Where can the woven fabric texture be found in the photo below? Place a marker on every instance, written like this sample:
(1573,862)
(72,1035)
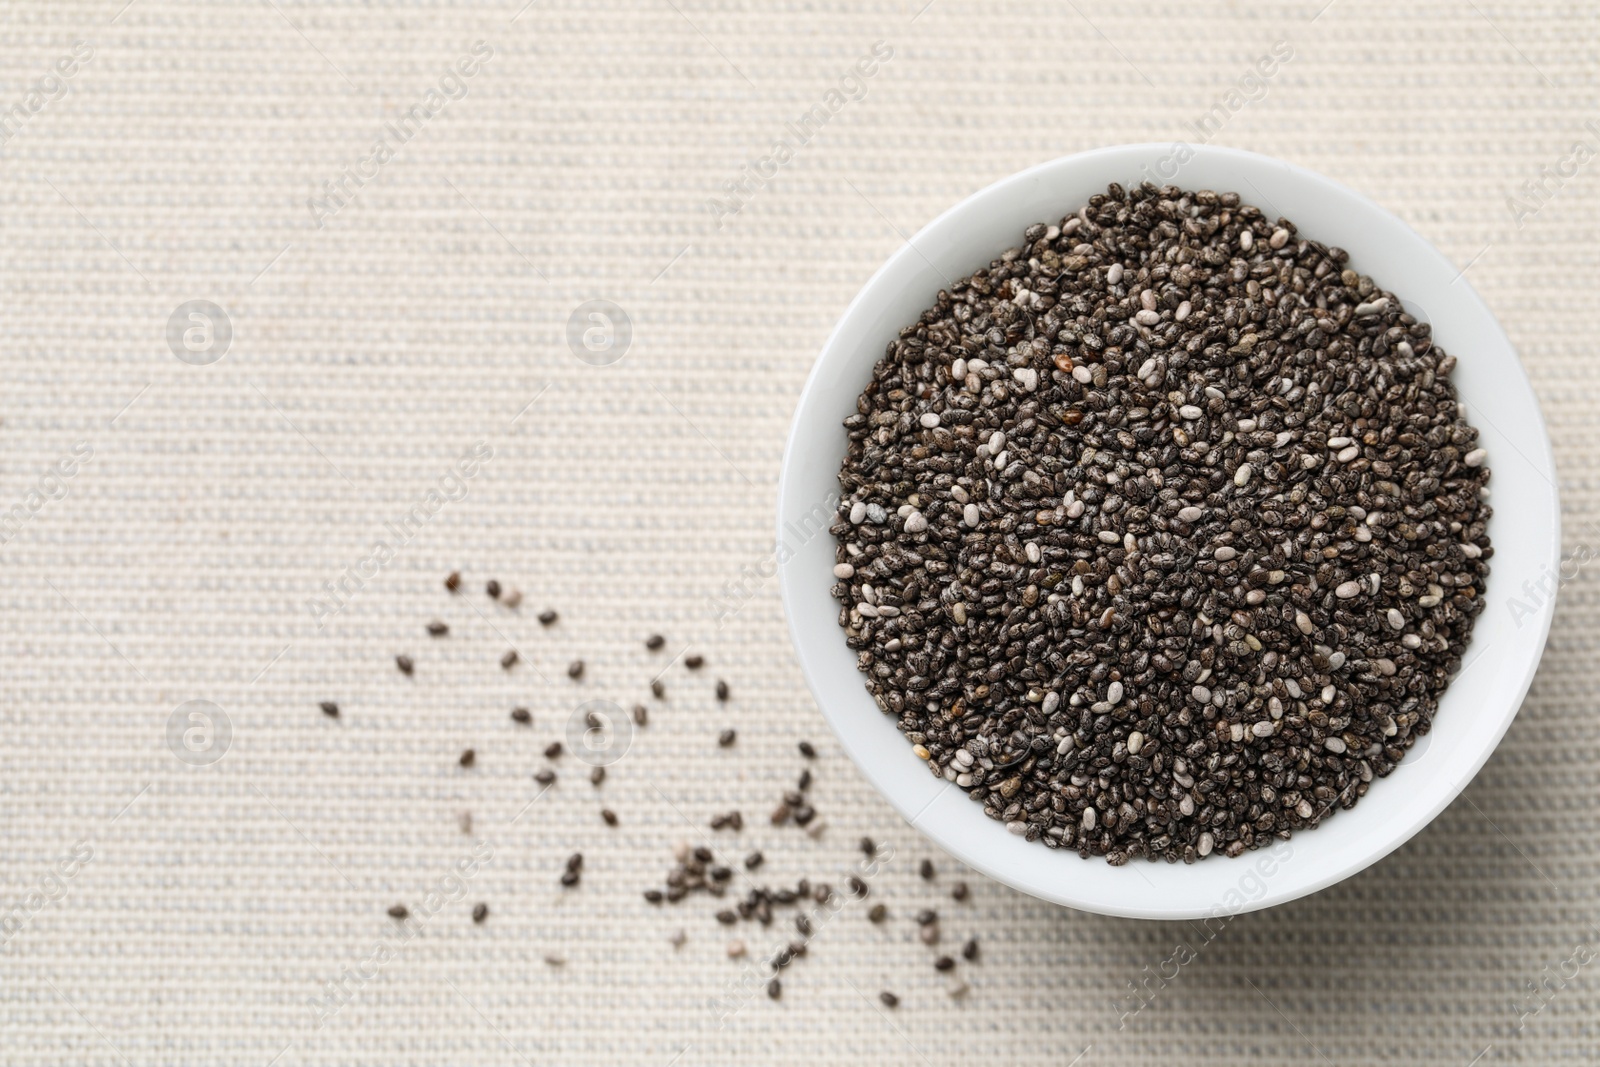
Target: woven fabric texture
(217,515)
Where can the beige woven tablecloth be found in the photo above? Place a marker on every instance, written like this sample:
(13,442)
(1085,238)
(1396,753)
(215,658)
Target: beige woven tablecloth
(389,212)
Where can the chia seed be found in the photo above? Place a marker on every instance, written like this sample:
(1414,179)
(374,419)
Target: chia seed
(1195,543)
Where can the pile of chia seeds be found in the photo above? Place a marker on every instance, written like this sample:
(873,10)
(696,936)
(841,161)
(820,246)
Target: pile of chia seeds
(1162,535)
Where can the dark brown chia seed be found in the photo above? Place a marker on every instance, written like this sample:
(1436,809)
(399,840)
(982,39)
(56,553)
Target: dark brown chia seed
(774,989)
(925,868)
(654,642)
(1162,534)
(548,617)
(754,860)
(399,911)
(405,665)
(480,912)
(694,661)
(552,750)
(878,913)
(575,669)
(468,758)
(722,689)
(868,846)
(889,999)
(959,892)
(609,816)
(330,709)
(641,715)
(521,716)
(943,963)
(437,629)
(727,737)
(453,582)
(804,781)
(509,660)
(492,587)
(969,951)
(545,777)
(808,750)
(597,776)
(658,689)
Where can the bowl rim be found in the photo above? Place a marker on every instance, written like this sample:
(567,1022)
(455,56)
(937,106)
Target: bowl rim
(1117,163)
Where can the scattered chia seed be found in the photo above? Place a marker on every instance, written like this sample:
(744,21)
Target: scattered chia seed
(722,689)
(808,750)
(548,617)
(654,642)
(509,660)
(468,758)
(774,989)
(658,689)
(889,999)
(868,846)
(453,582)
(574,871)
(959,892)
(437,629)
(552,750)
(925,868)
(878,913)
(545,777)
(609,816)
(969,951)
(597,776)
(754,860)
(399,912)
(731,820)
(641,715)
(1162,534)
(943,963)
(857,886)
(330,709)
(727,737)
(492,587)
(480,912)
(694,661)
(405,665)
(575,669)
(522,716)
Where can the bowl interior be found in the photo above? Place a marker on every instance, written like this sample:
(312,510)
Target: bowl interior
(1507,640)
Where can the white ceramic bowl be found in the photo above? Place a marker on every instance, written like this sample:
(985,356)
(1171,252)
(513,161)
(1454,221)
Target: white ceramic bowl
(1506,643)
